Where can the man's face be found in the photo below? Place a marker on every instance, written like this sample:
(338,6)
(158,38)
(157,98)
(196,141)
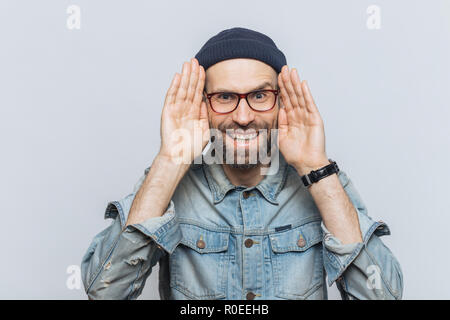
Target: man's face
(243,124)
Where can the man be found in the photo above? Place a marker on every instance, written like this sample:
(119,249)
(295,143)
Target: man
(229,229)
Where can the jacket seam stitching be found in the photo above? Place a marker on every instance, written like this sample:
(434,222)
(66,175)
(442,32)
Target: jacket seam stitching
(393,292)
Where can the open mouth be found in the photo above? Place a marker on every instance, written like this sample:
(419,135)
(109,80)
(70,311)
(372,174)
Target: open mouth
(242,138)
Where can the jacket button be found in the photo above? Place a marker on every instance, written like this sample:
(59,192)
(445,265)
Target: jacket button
(248,243)
(201,244)
(301,242)
(246,194)
(250,296)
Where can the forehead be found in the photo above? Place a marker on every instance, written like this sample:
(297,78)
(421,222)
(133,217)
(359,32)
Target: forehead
(239,75)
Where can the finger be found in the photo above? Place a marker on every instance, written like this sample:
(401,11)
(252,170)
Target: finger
(297,84)
(193,80)
(182,90)
(310,104)
(289,87)
(203,111)
(198,97)
(170,96)
(282,119)
(284,95)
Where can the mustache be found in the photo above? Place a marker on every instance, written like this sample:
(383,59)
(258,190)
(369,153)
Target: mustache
(238,128)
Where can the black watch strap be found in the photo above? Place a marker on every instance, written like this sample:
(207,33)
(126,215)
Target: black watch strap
(321,173)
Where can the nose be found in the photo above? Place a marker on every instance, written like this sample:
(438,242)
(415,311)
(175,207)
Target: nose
(243,115)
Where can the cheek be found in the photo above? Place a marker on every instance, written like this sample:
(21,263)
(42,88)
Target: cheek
(216,120)
(270,119)
(213,121)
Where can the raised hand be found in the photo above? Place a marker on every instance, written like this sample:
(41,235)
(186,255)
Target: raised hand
(184,119)
(301,130)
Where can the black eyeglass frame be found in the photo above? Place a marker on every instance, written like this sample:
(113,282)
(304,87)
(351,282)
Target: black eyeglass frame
(242,96)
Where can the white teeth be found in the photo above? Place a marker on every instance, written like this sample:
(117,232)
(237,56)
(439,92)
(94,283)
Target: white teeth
(242,136)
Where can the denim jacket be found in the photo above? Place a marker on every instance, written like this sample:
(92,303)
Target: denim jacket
(219,241)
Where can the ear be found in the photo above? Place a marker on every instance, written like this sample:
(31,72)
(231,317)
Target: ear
(206,81)
(279,102)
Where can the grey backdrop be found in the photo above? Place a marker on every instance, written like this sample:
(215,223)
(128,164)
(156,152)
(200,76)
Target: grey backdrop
(80,110)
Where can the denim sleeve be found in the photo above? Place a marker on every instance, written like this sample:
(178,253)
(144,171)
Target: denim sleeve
(120,259)
(366,270)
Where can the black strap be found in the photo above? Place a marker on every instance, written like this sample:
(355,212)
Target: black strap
(321,173)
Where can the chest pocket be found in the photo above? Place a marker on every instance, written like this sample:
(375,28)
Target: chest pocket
(199,264)
(297,261)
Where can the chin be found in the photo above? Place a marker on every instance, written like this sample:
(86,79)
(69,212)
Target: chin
(244,166)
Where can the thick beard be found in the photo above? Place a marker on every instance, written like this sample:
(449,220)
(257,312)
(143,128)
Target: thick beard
(247,156)
(244,166)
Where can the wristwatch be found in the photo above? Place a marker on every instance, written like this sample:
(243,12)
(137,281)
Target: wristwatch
(316,175)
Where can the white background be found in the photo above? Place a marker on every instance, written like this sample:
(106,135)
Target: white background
(80,111)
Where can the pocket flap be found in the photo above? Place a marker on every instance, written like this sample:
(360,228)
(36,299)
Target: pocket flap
(203,240)
(297,239)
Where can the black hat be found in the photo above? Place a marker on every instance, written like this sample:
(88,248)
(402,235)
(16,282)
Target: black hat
(240,43)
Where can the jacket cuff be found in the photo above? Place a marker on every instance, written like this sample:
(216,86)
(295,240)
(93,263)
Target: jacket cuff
(338,256)
(163,230)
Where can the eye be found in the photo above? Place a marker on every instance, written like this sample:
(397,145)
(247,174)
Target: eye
(258,95)
(224,96)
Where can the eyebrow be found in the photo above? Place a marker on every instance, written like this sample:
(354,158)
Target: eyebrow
(262,86)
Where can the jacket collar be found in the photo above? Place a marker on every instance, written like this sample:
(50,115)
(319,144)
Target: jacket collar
(269,187)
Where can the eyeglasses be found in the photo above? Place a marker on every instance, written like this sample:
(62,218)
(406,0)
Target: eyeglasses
(227,102)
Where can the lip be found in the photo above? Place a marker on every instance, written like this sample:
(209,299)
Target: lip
(242,135)
(241,138)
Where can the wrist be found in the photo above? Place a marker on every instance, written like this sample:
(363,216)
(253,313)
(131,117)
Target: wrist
(167,162)
(303,169)
(155,193)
